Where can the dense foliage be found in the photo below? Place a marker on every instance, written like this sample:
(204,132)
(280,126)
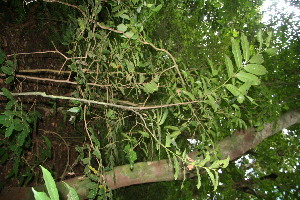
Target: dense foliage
(154,75)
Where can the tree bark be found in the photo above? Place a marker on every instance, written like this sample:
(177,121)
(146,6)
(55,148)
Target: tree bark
(145,172)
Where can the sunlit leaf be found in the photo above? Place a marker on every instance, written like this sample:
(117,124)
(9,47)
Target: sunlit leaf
(233,89)
(256,69)
(236,52)
(40,195)
(229,66)
(72,195)
(245,47)
(122,27)
(50,184)
(247,77)
(257,59)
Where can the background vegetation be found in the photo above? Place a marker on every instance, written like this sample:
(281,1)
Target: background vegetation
(137,81)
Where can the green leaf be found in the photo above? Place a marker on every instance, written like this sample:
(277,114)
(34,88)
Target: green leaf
(173,128)
(130,66)
(247,77)
(212,67)
(7,70)
(241,98)
(50,184)
(229,66)
(129,34)
(150,87)
(272,51)
(21,137)
(40,195)
(245,47)
(7,93)
(9,130)
(199,178)
(72,195)
(168,140)
(211,176)
(260,39)
(234,90)
(144,134)
(244,88)
(157,8)
(74,109)
(268,40)
(164,117)
(176,167)
(256,69)
(122,27)
(257,59)
(236,52)
(9,79)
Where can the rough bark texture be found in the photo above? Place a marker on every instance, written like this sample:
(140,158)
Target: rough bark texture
(144,172)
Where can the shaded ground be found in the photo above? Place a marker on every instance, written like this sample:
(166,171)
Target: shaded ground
(23,34)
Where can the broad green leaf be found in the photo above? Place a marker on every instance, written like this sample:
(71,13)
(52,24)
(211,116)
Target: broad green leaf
(21,137)
(9,79)
(50,184)
(244,88)
(272,51)
(144,134)
(9,130)
(247,77)
(72,195)
(122,27)
(74,109)
(256,69)
(40,195)
(229,66)
(176,167)
(157,8)
(236,52)
(150,87)
(7,70)
(233,89)
(205,160)
(175,134)
(245,47)
(129,34)
(190,95)
(241,98)
(212,102)
(130,66)
(7,93)
(257,59)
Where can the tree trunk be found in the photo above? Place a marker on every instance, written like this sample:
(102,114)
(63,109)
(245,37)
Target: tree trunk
(145,172)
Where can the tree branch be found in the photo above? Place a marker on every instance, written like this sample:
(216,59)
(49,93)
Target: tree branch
(156,171)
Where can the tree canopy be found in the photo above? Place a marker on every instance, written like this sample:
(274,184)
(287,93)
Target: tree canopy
(195,93)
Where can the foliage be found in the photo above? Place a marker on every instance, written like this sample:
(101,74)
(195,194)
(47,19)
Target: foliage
(52,190)
(167,71)
(18,122)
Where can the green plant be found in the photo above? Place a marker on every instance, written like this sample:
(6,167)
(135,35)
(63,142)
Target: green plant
(52,189)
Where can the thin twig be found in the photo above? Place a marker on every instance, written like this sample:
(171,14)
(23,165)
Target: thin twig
(43,94)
